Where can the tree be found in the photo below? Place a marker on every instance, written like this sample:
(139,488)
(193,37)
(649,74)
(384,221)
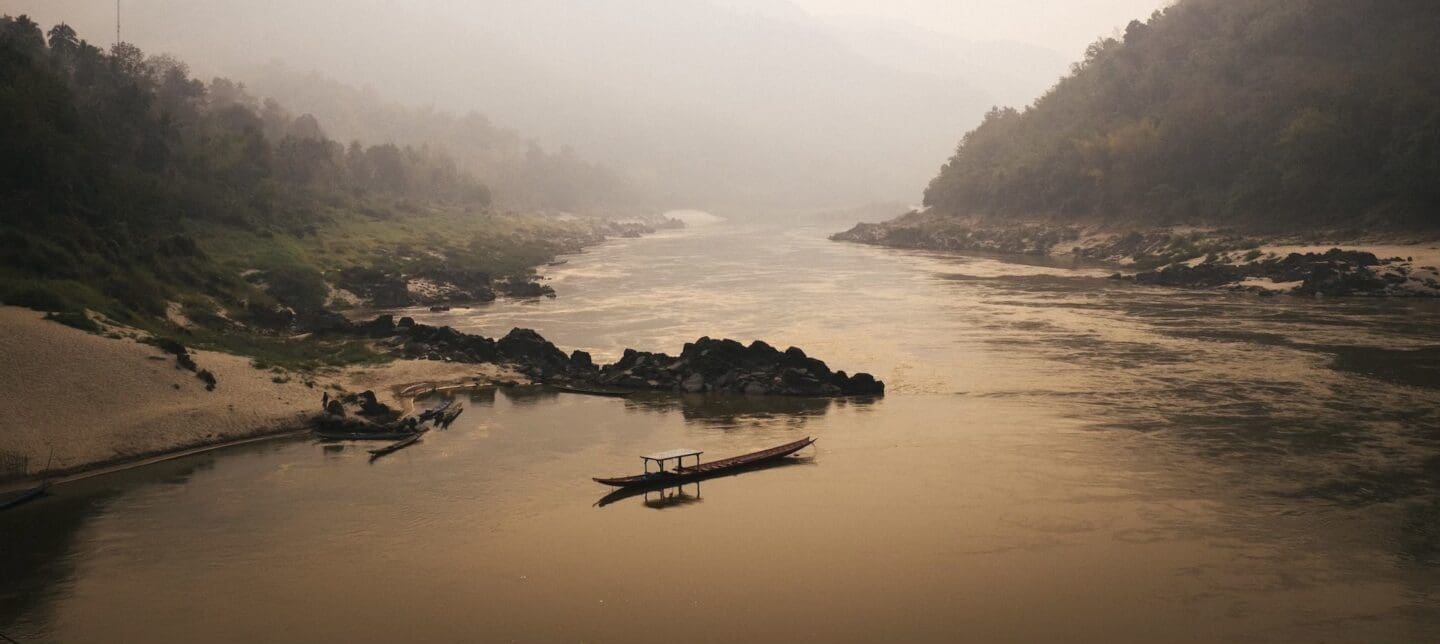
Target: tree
(22,35)
(64,43)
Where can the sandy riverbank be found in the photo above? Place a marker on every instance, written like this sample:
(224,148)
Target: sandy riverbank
(76,400)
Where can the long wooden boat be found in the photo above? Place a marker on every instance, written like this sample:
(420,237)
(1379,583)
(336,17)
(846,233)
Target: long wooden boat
(707,470)
(396,446)
(609,393)
(26,496)
(622,493)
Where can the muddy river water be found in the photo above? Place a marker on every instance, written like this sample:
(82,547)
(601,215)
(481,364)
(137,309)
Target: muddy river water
(1059,458)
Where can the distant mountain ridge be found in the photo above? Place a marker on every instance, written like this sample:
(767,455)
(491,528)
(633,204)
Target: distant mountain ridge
(521,173)
(1262,113)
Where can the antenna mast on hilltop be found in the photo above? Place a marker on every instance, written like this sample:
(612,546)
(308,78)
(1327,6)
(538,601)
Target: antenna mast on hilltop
(117,21)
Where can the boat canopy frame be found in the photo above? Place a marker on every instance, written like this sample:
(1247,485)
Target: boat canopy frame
(677,455)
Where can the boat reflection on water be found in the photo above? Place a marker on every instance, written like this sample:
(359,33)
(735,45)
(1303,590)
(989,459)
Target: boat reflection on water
(671,497)
(665,494)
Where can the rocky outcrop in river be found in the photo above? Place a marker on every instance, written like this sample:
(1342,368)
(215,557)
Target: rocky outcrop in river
(704,366)
(1335,272)
(1181,257)
(729,367)
(923,231)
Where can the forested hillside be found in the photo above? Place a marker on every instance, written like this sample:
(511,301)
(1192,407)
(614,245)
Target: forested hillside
(1267,113)
(129,188)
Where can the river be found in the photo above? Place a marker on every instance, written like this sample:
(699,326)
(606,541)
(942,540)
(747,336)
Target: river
(1059,457)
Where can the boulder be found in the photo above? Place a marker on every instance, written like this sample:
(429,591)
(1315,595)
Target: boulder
(581,360)
(864,384)
(525,346)
(370,405)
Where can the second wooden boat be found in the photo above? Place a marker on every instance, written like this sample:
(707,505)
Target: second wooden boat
(396,446)
(701,470)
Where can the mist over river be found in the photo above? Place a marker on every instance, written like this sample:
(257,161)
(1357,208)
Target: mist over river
(1059,457)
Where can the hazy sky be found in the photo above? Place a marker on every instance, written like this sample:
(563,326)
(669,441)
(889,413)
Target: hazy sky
(707,102)
(1064,25)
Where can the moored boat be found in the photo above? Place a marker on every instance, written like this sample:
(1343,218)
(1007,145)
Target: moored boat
(698,471)
(396,446)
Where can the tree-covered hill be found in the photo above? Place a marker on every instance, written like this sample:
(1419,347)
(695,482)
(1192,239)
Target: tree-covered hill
(128,188)
(1279,114)
(114,168)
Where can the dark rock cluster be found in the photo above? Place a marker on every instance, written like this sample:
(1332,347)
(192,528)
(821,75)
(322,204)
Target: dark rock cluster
(460,286)
(729,367)
(362,413)
(704,366)
(515,287)
(1335,272)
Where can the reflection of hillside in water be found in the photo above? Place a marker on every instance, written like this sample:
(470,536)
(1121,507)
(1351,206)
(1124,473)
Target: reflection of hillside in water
(33,549)
(37,539)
